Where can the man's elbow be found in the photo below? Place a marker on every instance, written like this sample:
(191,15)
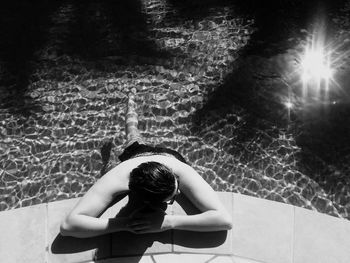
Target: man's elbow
(228,224)
(67,227)
(226,221)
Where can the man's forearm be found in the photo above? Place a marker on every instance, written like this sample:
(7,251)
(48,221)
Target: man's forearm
(204,222)
(83,226)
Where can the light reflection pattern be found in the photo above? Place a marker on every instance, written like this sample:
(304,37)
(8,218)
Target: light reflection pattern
(55,153)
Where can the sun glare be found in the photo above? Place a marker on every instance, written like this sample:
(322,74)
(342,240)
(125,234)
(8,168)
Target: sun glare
(288,105)
(316,65)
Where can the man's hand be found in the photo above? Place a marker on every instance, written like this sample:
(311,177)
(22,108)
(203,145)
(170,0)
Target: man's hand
(148,220)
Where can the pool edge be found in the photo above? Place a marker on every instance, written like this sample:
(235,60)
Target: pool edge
(263,231)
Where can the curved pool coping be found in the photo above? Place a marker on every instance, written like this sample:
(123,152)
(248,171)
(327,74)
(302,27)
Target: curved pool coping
(263,231)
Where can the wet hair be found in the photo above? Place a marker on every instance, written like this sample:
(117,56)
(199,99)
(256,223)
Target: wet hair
(152,181)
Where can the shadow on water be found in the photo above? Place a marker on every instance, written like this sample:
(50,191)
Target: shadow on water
(110,28)
(23,30)
(98,29)
(325,144)
(241,91)
(130,25)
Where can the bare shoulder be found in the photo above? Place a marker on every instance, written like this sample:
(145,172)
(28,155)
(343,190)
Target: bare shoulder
(192,185)
(103,192)
(117,179)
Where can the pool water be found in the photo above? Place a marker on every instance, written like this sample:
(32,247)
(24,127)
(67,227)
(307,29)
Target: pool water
(207,86)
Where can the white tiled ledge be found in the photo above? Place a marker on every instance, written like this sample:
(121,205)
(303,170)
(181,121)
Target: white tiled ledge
(263,231)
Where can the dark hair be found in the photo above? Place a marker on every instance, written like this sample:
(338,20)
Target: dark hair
(152,181)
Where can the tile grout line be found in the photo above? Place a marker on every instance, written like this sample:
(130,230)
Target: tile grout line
(110,215)
(250,259)
(172,233)
(233,227)
(152,258)
(293,236)
(210,259)
(46,232)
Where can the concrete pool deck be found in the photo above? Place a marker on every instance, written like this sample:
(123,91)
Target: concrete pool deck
(263,231)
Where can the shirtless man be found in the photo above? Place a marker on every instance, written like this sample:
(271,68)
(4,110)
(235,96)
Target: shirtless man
(155,175)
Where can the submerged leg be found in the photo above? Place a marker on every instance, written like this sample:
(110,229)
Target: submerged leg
(131,121)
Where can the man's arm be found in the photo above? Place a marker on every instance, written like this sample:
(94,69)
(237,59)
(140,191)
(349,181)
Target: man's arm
(205,222)
(213,216)
(83,220)
(84,226)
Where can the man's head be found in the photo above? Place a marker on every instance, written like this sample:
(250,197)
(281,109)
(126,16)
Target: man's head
(153,182)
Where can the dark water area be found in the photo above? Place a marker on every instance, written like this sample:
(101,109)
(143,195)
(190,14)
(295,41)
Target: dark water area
(212,81)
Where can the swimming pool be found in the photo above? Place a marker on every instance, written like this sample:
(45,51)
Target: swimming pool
(200,90)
